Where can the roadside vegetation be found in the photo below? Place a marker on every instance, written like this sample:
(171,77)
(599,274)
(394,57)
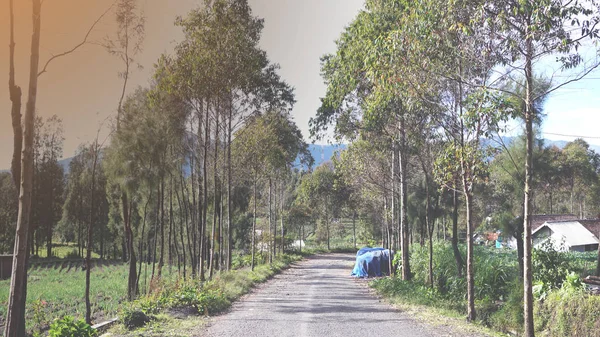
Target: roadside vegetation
(562,305)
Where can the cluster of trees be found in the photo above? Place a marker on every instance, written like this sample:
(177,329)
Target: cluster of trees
(195,164)
(421,89)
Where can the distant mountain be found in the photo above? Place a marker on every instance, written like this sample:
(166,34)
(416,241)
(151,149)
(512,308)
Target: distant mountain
(324,153)
(63,162)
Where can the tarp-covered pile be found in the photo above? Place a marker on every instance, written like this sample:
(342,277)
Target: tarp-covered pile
(371,262)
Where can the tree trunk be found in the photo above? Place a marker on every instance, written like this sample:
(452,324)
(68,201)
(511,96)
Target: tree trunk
(327,221)
(354,228)
(457,255)
(15,319)
(281,218)
(161,196)
(229,236)
(529,328)
(132,290)
(205,189)
(88,257)
(470,271)
(402,157)
(269,222)
(253,226)
(15,113)
(215,198)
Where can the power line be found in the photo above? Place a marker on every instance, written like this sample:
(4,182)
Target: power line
(574,136)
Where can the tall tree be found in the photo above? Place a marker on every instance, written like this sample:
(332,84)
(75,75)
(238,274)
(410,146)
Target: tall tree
(15,321)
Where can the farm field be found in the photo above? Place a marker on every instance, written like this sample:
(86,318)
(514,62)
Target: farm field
(56,289)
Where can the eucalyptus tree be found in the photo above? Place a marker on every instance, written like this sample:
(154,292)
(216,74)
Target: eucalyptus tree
(220,72)
(317,192)
(22,162)
(48,183)
(358,99)
(526,32)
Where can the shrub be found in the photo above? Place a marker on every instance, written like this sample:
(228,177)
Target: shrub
(568,313)
(69,327)
(133,318)
(549,266)
(73,254)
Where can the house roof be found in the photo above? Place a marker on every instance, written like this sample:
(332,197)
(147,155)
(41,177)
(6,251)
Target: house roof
(592,226)
(537,220)
(573,232)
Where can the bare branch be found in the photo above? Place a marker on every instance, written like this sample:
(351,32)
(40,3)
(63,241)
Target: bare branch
(85,40)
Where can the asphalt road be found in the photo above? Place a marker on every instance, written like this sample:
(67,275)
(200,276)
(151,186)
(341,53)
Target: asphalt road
(317,297)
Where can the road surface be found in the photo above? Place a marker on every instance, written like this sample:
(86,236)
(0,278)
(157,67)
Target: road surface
(317,297)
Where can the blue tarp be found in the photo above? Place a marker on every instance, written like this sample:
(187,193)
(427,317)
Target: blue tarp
(371,262)
(368,249)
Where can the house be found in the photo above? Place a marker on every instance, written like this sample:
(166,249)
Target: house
(568,235)
(537,220)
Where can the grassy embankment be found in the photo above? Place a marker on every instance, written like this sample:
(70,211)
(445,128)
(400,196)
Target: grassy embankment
(562,306)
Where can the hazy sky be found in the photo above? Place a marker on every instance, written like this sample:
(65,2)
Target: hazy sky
(83,88)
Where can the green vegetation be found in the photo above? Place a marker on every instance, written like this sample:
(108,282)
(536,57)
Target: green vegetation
(55,290)
(499,293)
(69,327)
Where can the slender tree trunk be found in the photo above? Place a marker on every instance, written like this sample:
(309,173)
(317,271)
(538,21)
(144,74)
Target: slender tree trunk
(161,260)
(15,319)
(140,246)
(327,221)
(183,206)
(194,211)
(205,189)
(229,177)
(281,219)
(15,98)
(181,225)
(388,231)
(253,226)
(171,227)
(88,258)
(215,198)
(354,228)
(529,117)
(470,270)
(457,255)
(393,208)
(132,290)
(428,222)
(270,215)
(406,275)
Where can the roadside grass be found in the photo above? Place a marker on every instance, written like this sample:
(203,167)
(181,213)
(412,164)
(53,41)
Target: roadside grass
(174,306)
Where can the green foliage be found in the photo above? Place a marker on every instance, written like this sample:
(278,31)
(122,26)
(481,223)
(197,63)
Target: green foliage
(69,327)
(8,212)
(568,313)
(133,318)
(550,267)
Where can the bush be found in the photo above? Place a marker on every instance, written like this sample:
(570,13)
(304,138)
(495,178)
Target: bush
(73,254)
(565,312)
(69,327)
(551,267)
(134,318)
